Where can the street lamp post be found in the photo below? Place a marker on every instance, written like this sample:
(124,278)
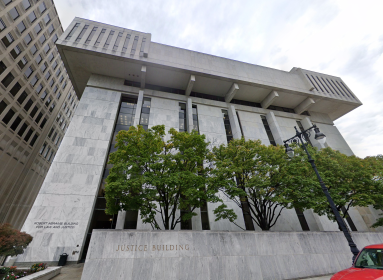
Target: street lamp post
(322,139)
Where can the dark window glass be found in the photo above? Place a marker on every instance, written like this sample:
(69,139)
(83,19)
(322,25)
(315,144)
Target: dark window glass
(34,111)
(28,105)
(37,28)
(47,48)
(32,17)
(38,118)
(15,89)
(42,39)
(135,42)
(43,123)
(3,106)
(49,100)
(33,141)
(110,36)
(2,67)
(2,25)
(51,29)
(42,7)
(28,72)
(302,220)
(6,2)
(7,39)
(268,130)
(38,59)
(16,123)
(22,97)
(14,13)
(54,38)
(51,82)
(34,80)
(48,75)
(39,88)
(47,19)
(26,4)
(15,51)
(91,35)
(58,95)
(64,85)
(28,135)
(195,118)
(21,27)
(100,37)
(8,116)
(27,39)
(8,79)
(54,65)
(58,73)
(44,67)
(51,132)
(52,107)
(33,49)
(226,121)
(55,89)
(182,117)
(44,95)
(23,61)
(82,33)
(51,57)
(22,129)
(72,31)
(61,78)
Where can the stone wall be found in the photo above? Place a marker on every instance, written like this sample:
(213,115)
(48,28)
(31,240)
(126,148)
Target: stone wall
(128,254)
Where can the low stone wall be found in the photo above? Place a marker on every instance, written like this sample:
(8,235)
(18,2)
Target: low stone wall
(131,254)
(45,274)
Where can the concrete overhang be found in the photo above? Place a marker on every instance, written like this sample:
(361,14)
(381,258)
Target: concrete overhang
(249,82)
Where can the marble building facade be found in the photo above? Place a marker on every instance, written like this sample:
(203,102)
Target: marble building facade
(109,65)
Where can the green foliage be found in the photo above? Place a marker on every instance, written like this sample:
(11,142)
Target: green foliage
(158,177)
(36,267)
(12,241)
(261,179)
(351,182)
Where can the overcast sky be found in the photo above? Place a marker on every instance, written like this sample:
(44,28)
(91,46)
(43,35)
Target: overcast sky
(339,37)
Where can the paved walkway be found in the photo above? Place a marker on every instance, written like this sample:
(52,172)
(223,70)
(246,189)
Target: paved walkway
(70,272)
(74,271)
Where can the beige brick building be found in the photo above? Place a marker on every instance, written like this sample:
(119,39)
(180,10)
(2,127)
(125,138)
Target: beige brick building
(37,101)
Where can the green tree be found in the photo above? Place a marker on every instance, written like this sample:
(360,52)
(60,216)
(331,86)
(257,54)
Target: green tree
(351,182)
(261,180)
(12,241)
(158,177)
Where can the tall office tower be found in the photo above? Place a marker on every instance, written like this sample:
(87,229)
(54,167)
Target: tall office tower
(37,102)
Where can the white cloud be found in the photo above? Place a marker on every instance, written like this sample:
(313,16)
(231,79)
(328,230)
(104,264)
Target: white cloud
(342,38)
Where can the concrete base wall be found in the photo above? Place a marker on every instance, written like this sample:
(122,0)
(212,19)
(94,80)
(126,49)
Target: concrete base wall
(128,254)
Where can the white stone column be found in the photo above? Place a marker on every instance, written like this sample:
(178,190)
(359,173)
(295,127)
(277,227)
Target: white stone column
(274,127)
(234,123)
(61,214)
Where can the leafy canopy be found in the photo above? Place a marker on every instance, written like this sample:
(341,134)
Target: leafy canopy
(12,241)
(159,177)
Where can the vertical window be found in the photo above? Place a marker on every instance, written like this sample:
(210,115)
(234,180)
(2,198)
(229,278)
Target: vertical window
(2,25)
(145,113)
(22,97)
(52,107)
(37,28)
(26,4)
(47,48)
(23,61)
(8,39)
(39,88)
(28,135)
(100,37)
(8,116)
(349,220)
(195,118)
(15,51)
(6,2)
(39,117)
(8,79)
(3,106)
(34,80)
(226,121)
(57,140)
(2,67)
(22,129)
(43,148)
(126,43)
(33,141)
(32,17)
(28,105)
(188,223)
(49,100)
(54,38)
(302,220)
(15,89)
(240,125)
(16,123)
(34,111)
(51,57)
(268,130)
(44,67)
(48,75)
(21,27)
(82,33)
(28,72)
(182,117)
(50,156)
(43,123)
(117,41)
(205,217)
(72,31)
(27,39)
(33,49)
(14,13)
(47,19)
(94,29)
(142,46)
(42,7)
(107,42)
(135,42)
(305,136)
(42,39)
(44,95)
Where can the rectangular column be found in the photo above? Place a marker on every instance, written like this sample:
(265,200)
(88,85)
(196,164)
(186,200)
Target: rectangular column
(60,216)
